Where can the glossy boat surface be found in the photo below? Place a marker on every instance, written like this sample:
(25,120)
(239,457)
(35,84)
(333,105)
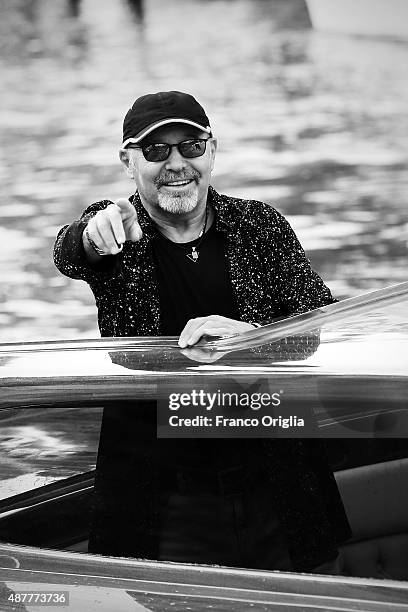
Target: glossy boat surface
(128,584)
(347,360)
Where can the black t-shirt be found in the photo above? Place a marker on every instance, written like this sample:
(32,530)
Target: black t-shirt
(189,289)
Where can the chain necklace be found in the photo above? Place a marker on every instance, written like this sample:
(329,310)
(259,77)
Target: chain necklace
(194,254)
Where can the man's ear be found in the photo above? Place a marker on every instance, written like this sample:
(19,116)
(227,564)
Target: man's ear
(213,149)
(124,157)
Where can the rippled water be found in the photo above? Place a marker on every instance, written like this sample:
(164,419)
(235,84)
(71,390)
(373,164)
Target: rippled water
(315,124)
(39,446)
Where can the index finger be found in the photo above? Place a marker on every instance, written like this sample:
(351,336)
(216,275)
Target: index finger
(126,208)
(115,219)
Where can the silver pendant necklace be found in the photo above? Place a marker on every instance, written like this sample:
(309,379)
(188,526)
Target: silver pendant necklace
(193,256)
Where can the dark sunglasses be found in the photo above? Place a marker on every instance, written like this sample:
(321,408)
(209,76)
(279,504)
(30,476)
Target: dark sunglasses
(159,151)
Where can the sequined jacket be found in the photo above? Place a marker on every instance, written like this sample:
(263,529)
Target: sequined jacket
(271,277)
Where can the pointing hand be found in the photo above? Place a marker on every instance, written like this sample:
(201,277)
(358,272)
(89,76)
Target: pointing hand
(109,228)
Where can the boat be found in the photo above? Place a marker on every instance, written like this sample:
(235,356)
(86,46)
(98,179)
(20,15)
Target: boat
(345,360)
(383,18)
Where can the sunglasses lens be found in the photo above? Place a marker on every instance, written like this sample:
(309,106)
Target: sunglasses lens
(192,148)
(156,152)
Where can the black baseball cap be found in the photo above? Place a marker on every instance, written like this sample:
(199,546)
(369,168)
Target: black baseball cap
(151,111)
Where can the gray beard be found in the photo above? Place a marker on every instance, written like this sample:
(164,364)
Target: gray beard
(178,204)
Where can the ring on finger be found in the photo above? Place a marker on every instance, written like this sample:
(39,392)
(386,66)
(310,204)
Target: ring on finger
(93,244)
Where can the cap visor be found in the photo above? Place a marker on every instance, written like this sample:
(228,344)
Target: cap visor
(154,126)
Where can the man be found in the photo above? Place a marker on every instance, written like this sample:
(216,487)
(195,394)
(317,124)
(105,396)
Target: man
(180,259)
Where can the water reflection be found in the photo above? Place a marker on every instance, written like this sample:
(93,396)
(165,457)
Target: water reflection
(74,7)
(137,8)
(315,124)
(39,446)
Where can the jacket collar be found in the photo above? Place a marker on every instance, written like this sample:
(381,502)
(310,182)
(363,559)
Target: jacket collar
(222,208)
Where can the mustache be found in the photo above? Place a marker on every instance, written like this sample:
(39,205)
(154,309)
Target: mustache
(167,177)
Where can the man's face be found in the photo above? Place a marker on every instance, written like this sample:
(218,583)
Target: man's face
(178,184)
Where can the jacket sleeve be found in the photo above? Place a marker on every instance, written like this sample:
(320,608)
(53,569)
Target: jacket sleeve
(299,288)
(69,253)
